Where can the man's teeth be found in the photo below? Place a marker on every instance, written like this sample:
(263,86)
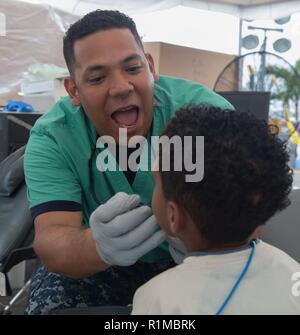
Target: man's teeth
(126,109)
(126,117)
(126,126)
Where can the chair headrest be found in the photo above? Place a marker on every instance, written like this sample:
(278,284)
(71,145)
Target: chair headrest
(11,172)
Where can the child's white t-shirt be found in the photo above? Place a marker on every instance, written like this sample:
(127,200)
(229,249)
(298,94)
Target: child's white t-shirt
(201,284)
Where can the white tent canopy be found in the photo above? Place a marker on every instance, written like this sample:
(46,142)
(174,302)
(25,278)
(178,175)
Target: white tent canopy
(34,28)
(245,9)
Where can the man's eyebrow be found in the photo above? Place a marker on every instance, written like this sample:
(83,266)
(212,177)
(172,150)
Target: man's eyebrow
(131,58)
(96,67)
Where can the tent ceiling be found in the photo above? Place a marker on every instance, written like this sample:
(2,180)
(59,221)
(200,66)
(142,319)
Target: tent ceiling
(248,2)
(247,9)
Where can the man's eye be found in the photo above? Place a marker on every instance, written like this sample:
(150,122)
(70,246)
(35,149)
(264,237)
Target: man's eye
(135,69)
(96,80)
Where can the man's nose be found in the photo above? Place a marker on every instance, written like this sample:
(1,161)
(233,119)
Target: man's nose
(120,86)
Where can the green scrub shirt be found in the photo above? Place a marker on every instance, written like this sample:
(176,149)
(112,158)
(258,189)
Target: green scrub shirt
(62,141)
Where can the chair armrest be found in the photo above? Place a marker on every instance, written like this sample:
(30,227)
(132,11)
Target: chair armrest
(17,256)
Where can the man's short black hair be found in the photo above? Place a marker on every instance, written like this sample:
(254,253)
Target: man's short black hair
(93,22)
(246,173)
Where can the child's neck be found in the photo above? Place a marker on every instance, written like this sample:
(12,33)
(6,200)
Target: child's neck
(198,243)
(205,247)
(255,235)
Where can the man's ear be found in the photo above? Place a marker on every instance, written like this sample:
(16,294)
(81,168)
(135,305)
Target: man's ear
(151,66)
(72,90)
(175,218)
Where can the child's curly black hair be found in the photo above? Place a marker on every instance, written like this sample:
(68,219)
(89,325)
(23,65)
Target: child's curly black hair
(246,174)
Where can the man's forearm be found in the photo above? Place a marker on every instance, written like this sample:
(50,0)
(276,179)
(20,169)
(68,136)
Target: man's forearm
(73,252)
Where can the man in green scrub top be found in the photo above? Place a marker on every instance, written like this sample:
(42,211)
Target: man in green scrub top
(96,243)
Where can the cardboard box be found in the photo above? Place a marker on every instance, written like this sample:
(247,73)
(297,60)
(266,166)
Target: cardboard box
(42,95)
(41,102)
(40,86)
(194,64)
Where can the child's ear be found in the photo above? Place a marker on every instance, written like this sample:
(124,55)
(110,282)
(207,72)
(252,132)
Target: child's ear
(175,218)
(72,90)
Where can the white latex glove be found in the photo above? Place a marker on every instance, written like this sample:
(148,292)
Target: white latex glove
(124,232)
(176,249)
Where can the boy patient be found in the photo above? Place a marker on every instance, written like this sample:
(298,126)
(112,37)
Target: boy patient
(246,181)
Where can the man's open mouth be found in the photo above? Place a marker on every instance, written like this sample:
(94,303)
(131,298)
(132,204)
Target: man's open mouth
(126,117)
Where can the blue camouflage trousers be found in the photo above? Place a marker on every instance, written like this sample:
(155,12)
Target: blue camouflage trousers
(115,286)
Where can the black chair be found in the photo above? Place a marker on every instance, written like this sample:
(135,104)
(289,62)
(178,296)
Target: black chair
(16,225)
(283,229)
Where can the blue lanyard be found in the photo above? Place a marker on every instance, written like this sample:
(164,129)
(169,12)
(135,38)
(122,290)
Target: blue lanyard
(235,286)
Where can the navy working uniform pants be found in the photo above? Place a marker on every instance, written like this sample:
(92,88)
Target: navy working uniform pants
(115,286)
